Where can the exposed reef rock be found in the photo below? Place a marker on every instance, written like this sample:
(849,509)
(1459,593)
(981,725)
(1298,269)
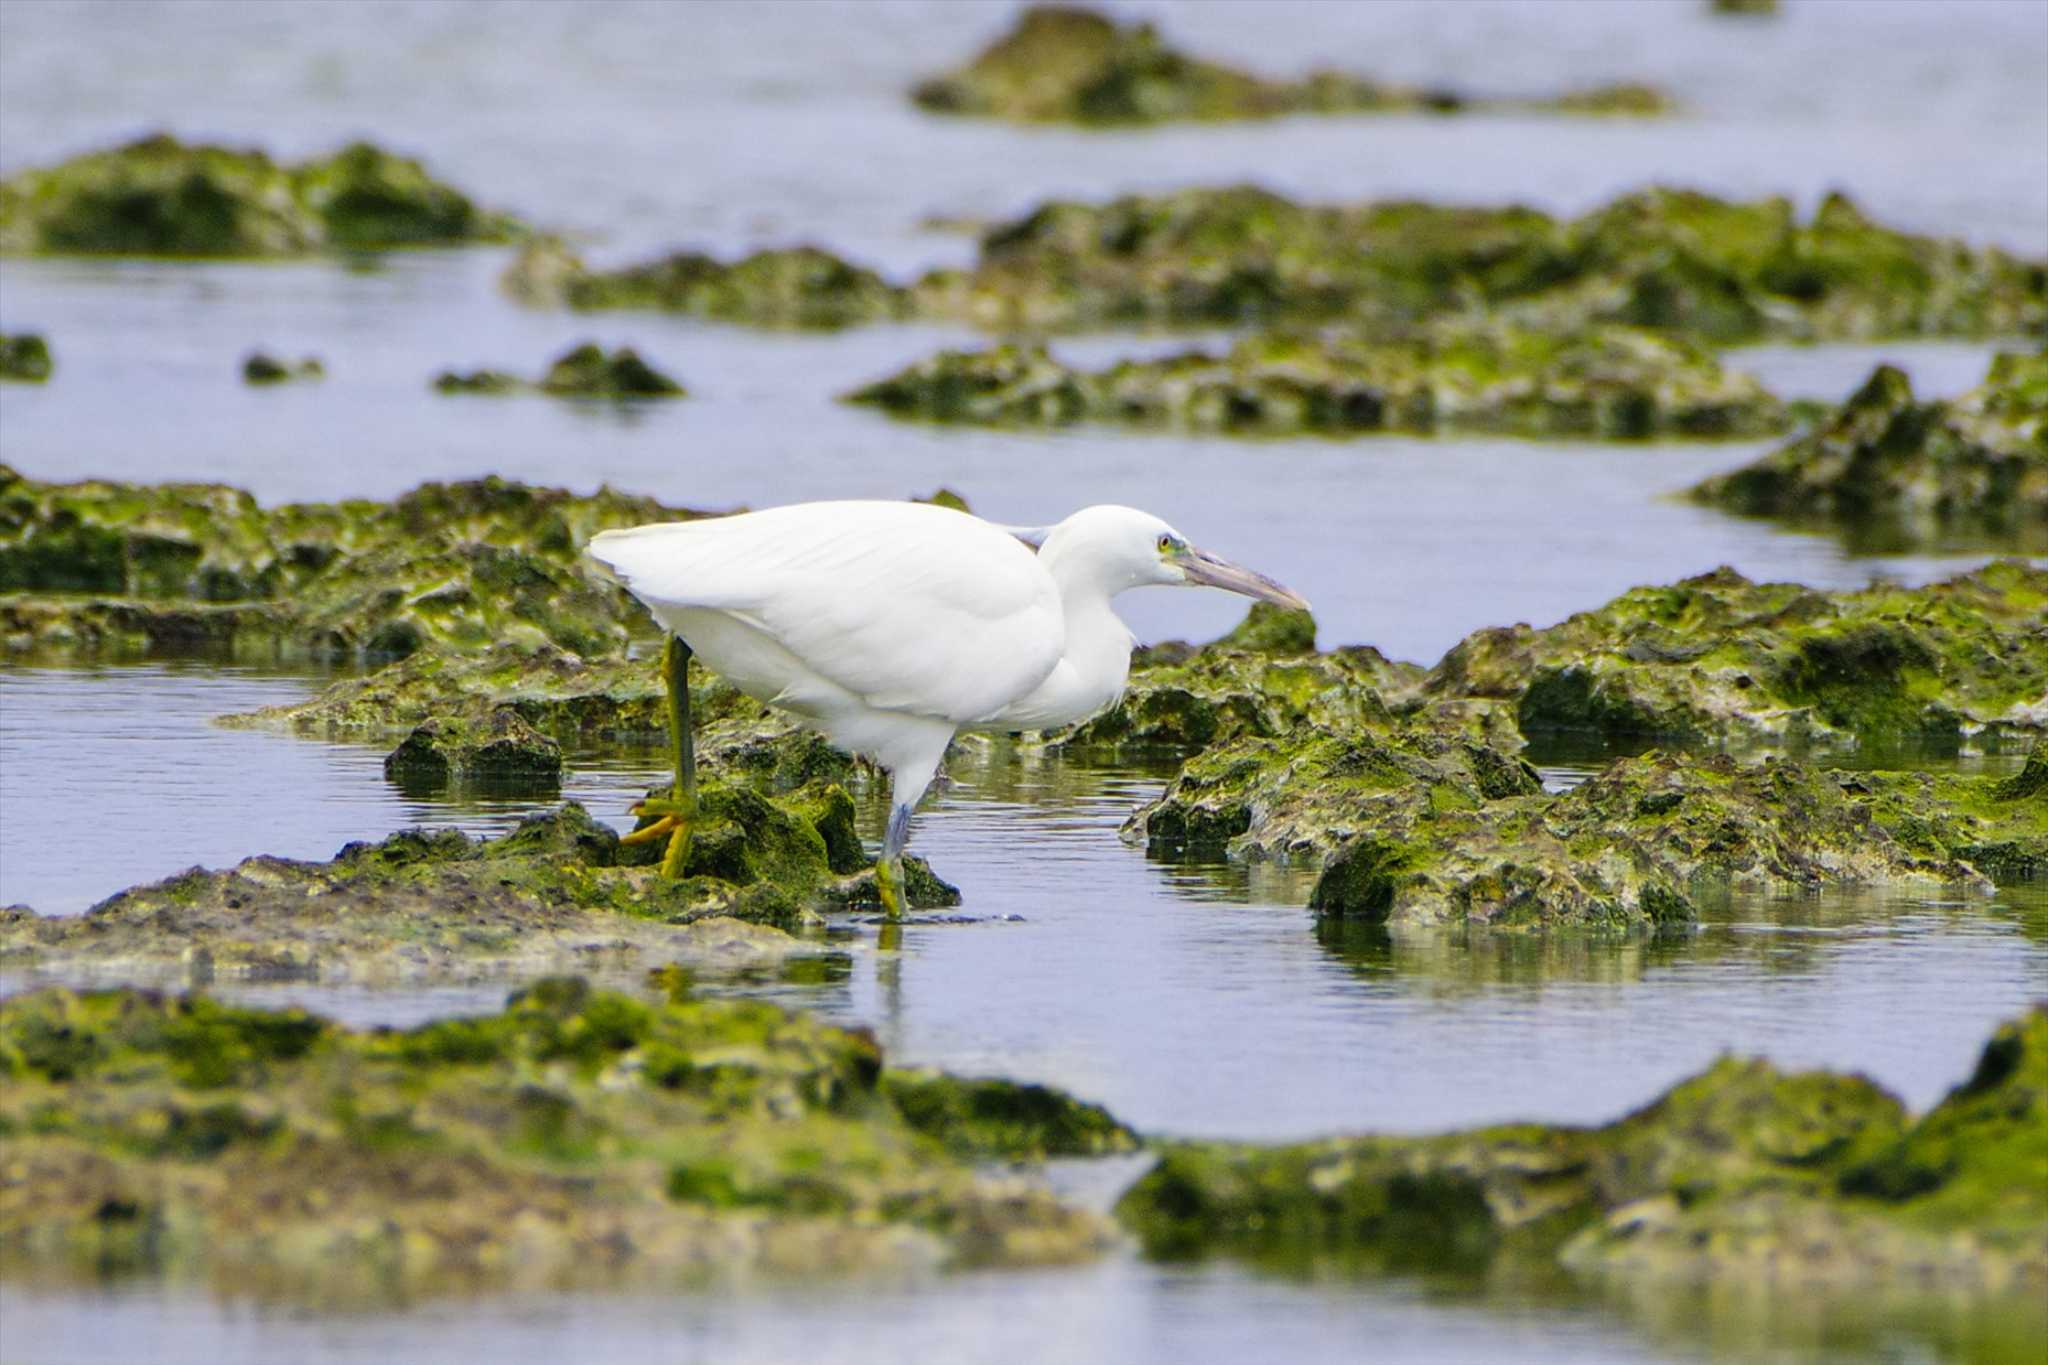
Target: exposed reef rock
(1609,382)
(1890,473)
(1065,64)
(111,568)
(502,752)
(1421,824)
(437,904)
(579,1137)
(262,368)
(1670,260)
(162,197)
(791,287)
(586,371)
(1719,659)
(1742,1174)
(25,358)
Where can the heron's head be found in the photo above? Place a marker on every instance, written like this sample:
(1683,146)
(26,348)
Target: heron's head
(1121,547)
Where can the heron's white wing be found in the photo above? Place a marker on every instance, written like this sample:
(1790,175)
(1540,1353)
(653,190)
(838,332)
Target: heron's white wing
(907,606)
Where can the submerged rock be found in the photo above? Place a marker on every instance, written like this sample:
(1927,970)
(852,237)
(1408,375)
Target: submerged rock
(785,287)
(1673,261)
(1891,473)
(1743,1173)
(103,568)
(1718,659)
(580,1137)
(261,368)
(1610,382)
(25,358)
(585,371)
(162,197)
(1071,65)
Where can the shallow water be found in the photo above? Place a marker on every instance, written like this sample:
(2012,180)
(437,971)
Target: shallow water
(1191,999)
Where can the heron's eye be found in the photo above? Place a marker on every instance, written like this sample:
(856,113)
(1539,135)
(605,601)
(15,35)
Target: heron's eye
(1166,545)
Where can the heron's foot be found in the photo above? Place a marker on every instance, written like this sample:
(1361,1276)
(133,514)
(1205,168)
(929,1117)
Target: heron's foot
(672,820)
(889,884)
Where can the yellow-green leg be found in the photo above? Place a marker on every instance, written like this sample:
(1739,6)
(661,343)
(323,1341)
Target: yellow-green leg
(675,813)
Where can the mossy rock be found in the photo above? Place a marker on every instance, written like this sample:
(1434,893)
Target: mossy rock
(25,358)
(162,197)
(1065,64)
(502,753)
(579,1137)
(1606,382)
(1889,473)
(1743,1174)
(1672,261)
(1718,659)
(261,368)
(107,568)
(785,287)
(585,371)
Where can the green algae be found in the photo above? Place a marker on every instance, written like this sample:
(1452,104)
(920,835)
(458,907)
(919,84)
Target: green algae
(1891,473)
(1742,1173)
(261,368)
(1669,260)
(1064,64)
(162,197)
(578,1136)
(25,358)
(784,287)
(1009,1119)
(1718,659)
(585,371)
(1607,382)
(109,568)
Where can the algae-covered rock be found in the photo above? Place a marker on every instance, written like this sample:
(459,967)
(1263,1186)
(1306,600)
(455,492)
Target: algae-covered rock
(162,197)
(1673,261)
(503,753)
(1753,8)
(1719,659)
(1891,473)
(99,568)
(25,357)
(263,368)
(1607,382)
(1418,823)
(785,287)
(1741,1173)
(585,371)
(1066,64)
(989,1116)
(579,1137)
(438,904)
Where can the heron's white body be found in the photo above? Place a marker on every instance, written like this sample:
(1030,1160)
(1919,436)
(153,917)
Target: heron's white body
(893,626)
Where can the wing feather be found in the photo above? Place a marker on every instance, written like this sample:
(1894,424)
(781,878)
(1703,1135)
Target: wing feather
(907,606)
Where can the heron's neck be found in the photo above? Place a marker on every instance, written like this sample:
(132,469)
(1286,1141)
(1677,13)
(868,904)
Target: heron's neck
(1093,667)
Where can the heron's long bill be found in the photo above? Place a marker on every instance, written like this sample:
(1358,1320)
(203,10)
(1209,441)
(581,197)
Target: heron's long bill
(1213,571)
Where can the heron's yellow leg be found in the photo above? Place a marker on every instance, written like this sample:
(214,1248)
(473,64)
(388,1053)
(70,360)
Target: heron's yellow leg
(678,811)
(889,867)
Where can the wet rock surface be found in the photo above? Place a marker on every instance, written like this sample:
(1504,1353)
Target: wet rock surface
(437,904)
(1743,1173)
(262,368)
(1673,261)
(1420,825)
(784,287)
(1889,472)
(25,358)
(163,197)
(579,1136)
(1066,64)
(1718,659)
(501,753)
(110,568)
(1608,382)
(586,371)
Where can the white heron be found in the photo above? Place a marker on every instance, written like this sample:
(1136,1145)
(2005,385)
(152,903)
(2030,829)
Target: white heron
(893,626)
